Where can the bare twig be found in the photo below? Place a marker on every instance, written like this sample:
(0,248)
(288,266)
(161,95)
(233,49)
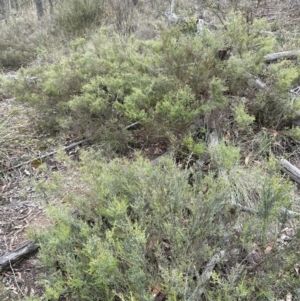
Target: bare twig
(44,156)
(131,125)
(188,161)
(15,279)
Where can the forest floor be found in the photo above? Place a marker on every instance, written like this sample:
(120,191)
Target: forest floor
(21,206)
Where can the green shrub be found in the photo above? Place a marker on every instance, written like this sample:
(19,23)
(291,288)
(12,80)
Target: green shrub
(243,119)
(18,44)
(166,85)
(75,17)
(135,229)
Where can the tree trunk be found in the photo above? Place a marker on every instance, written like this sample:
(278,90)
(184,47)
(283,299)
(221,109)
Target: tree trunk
(39,8)
(4,8)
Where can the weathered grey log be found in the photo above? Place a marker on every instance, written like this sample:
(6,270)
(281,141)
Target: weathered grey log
(279,34)
(28,79)
(17,255)
(204,278)
(289,213)
(291,170)
(157,160)
(283,211)
(292,54)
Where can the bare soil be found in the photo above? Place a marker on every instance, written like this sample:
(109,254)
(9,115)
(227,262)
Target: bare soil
(20,206)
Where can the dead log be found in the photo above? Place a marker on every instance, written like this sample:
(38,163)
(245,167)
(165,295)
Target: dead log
(291,170)
(292,54)
(15,77)
(283,211)
(17,255)
(204,278)
(157,160)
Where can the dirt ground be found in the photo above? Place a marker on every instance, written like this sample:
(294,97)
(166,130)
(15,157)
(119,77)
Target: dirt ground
(20,206)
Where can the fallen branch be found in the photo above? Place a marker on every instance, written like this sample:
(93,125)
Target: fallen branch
(289,213)
(44,156)
(128,127)
(157,160)
(18,254)
(292,54)
(283,211)
(16,281)
(131,126)
(280,34)
(28,79)
(199,290)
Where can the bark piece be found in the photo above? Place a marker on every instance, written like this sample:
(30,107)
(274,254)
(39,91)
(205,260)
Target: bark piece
(18,254)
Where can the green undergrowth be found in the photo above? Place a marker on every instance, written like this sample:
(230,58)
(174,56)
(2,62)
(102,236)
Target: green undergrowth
(132,230)
(18,44)
(204,225)
(24,39)
(76,17)
(109,82)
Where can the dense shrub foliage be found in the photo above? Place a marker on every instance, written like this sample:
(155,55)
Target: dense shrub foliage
(166,85)
(18,45)
(133,230)
(199,226)
(75,17)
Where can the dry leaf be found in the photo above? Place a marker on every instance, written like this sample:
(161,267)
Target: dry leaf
(297,269)
(150,245)
(227,136)
(27,172)
(268,249)
(273,133)
(277,144)
(156,289)
(25,290)
(248,158)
